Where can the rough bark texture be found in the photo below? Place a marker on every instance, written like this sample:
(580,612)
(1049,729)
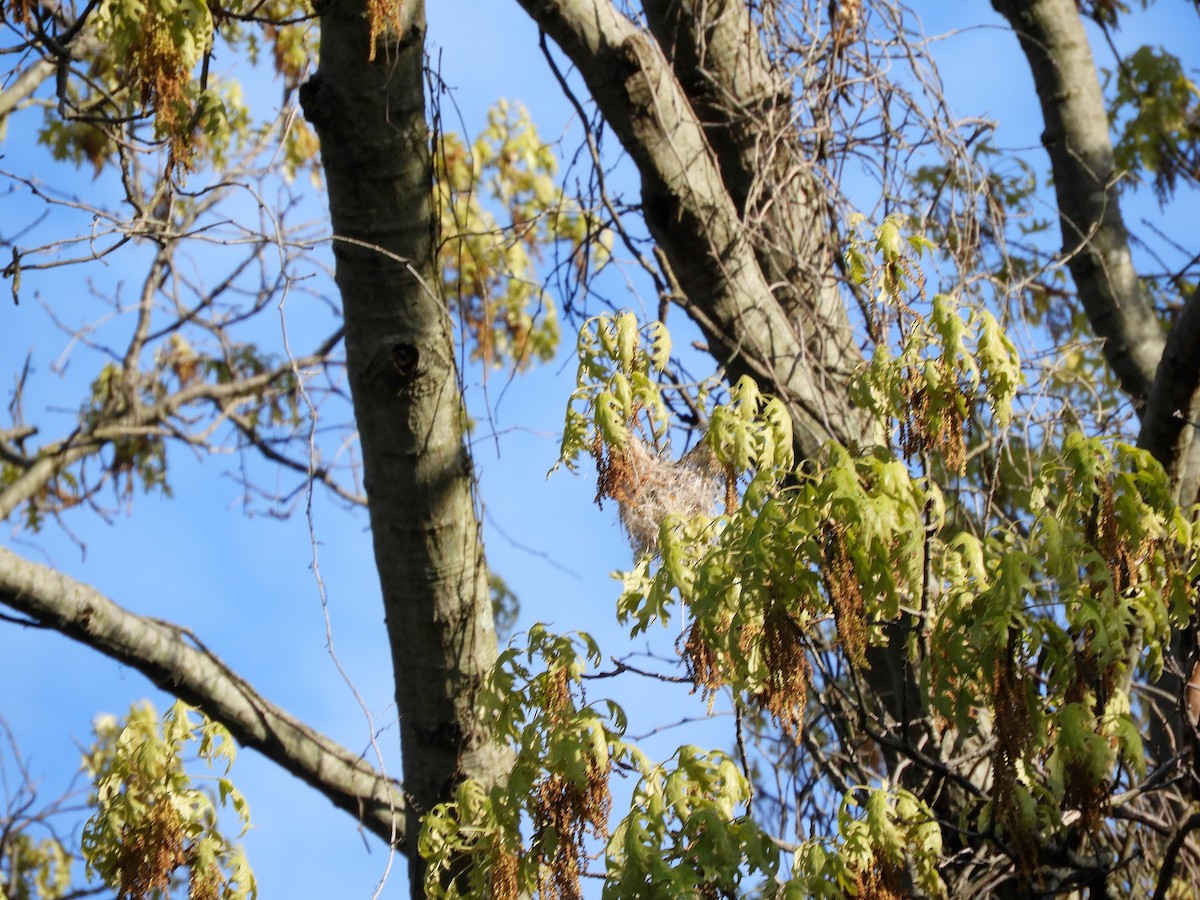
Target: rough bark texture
(744,105)
(691,195)
(177,663)
(370,117)
(1173,408)
(1085,183)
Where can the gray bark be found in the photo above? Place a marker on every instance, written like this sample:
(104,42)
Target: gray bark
(744,105)
(175,661)
(1085,182)
(370,117)
(1173,408)
(691,195)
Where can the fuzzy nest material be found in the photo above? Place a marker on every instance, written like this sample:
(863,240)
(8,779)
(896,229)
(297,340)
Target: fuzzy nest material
(649,486)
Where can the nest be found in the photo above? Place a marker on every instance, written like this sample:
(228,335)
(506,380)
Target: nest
(649,486)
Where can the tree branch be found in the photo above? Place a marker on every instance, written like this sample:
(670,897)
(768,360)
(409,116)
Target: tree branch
(1085,183)
(1169,420)
(696,222)
(72,43)
(716,49)
(164,654)
(24,85)
(54,458)
(1166,875)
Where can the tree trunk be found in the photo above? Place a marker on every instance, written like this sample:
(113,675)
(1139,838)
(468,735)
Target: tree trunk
(370,117)
(745,106)
(1172,412)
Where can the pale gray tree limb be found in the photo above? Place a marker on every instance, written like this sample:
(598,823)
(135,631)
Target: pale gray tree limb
(1077,140)
(24,85)
(745,104)
(178,664)
(696,221)
(75,42)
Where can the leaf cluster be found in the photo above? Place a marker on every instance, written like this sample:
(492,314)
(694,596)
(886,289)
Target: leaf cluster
(1157,109)
(1043,628)
(488,267)
(949,363)
(558,785)
(1025,635)
(33,869)
(151,823)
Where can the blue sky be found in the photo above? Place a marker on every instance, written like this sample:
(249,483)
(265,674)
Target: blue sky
(244,585)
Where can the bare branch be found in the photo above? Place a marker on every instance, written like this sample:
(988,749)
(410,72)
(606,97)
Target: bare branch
(176,662)
(316,473)
(54,458)
(1166,875)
